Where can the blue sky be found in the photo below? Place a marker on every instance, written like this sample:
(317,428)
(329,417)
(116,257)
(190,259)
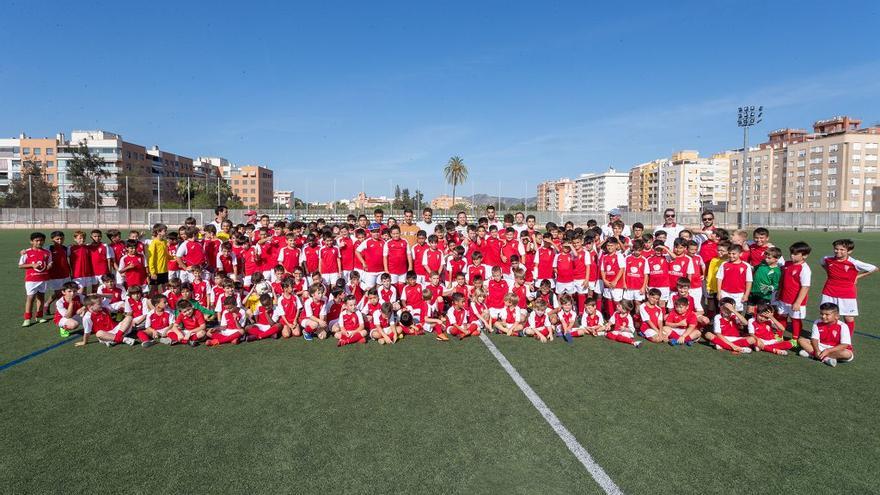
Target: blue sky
(377,91)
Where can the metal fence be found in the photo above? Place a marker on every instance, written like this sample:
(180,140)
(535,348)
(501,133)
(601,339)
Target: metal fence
(46,218)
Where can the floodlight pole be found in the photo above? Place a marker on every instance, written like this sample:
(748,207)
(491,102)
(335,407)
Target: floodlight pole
(747,116)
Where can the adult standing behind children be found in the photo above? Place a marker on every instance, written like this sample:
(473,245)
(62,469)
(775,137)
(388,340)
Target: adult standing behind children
(408,227)
(669,226)
(427,224)
(607,229)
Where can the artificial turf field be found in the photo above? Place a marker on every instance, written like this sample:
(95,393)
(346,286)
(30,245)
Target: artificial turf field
(431,417)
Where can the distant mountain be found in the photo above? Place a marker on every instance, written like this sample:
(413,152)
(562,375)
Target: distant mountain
(485,199)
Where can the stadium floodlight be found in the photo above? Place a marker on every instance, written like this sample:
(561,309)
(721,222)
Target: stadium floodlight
(746,116)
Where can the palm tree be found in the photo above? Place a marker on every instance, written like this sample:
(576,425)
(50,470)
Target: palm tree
(456,173)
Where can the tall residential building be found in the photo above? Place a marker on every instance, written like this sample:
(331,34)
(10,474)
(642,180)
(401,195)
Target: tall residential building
(555,195)
(834,168)
(253,184)
(643,185)
(282,198)
(601,192)
(689,183)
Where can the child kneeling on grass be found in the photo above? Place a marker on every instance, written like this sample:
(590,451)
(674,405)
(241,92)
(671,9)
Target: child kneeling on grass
(69,309)
(384,330)
(539,325)
(350,327)
(160,321)
(98,320)
(681,324)
(830,341)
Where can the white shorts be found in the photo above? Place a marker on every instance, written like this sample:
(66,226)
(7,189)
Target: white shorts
(784,309)
(386,331)
(120,279)
(823,348)
(188,333)
(579,287)
(736,297)
(346,274)
(494,313)
(613,294)
(594,285)
(269,275)
(117,306)
(174,274)
(696,294)
(649,333)
(330,278)
(57,284)
(633,295)
(539,281)
(64,321)
(368,279)
(262,327)
(565,288)
(33,288)
(84,282)
(848,307)
(398,278)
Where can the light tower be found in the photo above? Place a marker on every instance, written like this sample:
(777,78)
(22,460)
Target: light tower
(745,118)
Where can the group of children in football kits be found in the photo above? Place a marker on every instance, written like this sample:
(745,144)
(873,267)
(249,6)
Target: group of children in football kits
(357,281)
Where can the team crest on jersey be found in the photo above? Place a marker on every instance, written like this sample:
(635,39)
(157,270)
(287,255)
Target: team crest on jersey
(846,268)
(676,268)
(742,269)
(634,269)
(656,267)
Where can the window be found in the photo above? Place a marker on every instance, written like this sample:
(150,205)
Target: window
(854,204)
(816,149)
(25,151)
(832,159)
(854,182)
(802,153)
(857,146)
(50,163)
(870,158)
(871,146)
(50,151)
(832,148)
(832,171)
(50,177)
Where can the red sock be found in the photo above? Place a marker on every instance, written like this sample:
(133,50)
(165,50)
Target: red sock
(609,307)
(27,316)
(342,341)
(455,332)
(782,345)
(722,344)
(437,329)
(118,337)
(142,336)
(852,328)
(582,300)
(40,313)
(619,337)
(173,337)
(796,326)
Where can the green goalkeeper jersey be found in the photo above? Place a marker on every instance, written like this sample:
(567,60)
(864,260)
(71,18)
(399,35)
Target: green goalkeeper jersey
(765,280)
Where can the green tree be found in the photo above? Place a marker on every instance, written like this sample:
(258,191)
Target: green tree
(456,173)
(85,172)
(31,185)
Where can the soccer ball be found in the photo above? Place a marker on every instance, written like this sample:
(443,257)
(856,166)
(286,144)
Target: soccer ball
(40,266)
(263,288)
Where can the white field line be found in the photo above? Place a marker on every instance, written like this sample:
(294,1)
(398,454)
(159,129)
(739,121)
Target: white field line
(570,441)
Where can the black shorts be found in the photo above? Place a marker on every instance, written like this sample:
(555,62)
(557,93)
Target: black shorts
(758,299)
(161,279)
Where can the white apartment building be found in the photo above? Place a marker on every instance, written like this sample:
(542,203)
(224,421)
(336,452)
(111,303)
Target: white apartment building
(600,192)
(282,198)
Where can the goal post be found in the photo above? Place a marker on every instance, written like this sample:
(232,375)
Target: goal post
(173,219)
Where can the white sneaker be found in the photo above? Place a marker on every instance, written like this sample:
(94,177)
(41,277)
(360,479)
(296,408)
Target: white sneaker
(600,334)
(637,344)
(746,350)
(803,353)
(830,362)
(128,340)
(782,353)
(717,347)
(108,343)
(165,340)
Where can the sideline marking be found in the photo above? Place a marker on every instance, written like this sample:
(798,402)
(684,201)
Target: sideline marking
(571,442)
(36,353)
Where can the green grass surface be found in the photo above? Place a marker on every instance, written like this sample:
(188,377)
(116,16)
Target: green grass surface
(430,417)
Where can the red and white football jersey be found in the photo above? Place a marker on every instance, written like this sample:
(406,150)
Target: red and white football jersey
(841,281)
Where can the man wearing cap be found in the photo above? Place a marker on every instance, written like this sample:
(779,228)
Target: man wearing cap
(613,216)
(669,226)
(250,217)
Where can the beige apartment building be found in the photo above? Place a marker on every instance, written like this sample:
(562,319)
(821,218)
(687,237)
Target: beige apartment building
(253,184)
(643,182)
(834,168)
(555,195)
